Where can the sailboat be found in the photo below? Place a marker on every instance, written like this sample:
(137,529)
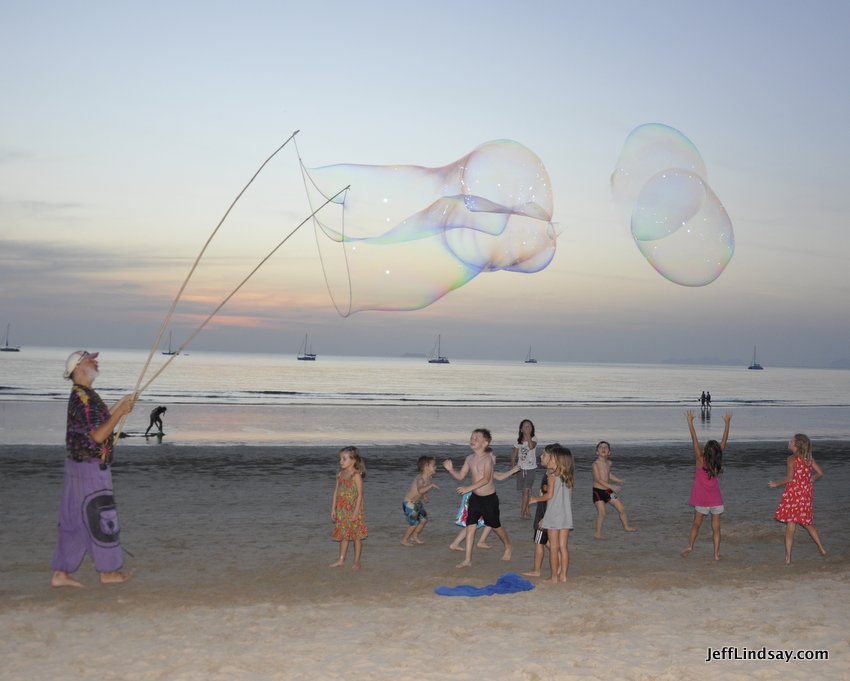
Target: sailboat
(755,364)
(438,358)
(305,352)
(169,351)
(6,347)
(528,358)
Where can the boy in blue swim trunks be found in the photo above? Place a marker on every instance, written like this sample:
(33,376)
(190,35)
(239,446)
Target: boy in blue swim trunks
(414,501)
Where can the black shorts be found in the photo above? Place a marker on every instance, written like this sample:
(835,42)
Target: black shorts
(486,507)
(603,495)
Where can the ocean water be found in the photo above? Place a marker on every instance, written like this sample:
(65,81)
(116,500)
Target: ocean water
(231,398)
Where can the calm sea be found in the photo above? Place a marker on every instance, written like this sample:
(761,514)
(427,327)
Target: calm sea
(229,398)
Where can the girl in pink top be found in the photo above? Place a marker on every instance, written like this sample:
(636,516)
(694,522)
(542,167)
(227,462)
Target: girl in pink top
(705,492)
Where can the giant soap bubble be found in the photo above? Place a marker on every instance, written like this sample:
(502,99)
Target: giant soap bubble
(407,235)
(677,221)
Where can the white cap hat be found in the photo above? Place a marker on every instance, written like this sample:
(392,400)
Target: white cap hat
(75,358)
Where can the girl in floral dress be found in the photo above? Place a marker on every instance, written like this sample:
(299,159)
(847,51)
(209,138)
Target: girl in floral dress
(798,497)
(347,506)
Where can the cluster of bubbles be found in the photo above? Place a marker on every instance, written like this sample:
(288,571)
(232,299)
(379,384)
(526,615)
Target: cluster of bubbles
(407,235)
(677,221)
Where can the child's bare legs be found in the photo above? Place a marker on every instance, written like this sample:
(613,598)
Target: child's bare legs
(358,550)
(501,534)
(600,518)
(554,556)
(343,549)
(418,531)
(813,533)
(523,508)
(482,540)
(470,536)
(617,504)
(694,533)
(715,534)
(408,533)
(539,553)
(790,529)
(456,544)
(564,549)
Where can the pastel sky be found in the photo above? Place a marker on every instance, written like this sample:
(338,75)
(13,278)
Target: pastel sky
(126,129)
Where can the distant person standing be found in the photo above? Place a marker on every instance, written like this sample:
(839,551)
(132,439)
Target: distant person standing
(702,399)
(708,400)
(88,519)
(156,419)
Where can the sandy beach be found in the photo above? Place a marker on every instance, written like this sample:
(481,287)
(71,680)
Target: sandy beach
(231,578)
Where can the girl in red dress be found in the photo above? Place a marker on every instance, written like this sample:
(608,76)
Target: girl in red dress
(347,506)
(797,498)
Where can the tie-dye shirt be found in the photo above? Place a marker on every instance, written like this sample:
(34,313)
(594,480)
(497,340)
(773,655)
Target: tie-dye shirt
(86,411)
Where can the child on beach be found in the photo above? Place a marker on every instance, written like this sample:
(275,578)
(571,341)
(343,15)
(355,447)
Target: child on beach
(463,511)
(558,518)
(604,492)
(541,536)
(705,492)
(414,501)
(483,502)
(525,454)
(347,506)
(798,496)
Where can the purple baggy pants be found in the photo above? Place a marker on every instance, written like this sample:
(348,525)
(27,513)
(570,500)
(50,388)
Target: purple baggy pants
(88,519)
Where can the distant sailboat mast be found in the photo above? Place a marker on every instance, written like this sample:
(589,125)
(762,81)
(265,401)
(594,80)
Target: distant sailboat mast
(755,365)
(6,347)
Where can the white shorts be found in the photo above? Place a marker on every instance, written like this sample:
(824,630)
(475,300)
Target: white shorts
(713,510)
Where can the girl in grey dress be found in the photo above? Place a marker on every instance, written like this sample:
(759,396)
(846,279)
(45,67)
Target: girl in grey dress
(558,519)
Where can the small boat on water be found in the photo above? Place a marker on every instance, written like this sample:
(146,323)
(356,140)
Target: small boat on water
(169,351)
(305,352)
(6,347)
(755,365)
(529,359)
(438,357)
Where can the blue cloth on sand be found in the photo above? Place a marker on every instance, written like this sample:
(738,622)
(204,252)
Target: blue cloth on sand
(508,583)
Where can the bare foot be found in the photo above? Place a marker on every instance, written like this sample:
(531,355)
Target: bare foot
(630,529)
(482,545)
(337,563)
(355,565)
(406,543)
(551,580)
(597,536)
(454,547)
(60,578)
(533,573)
(116,577)
(508,551)
(562,578)
(716,556)
(418,540)
(686,552)
(466,563)
(822,551)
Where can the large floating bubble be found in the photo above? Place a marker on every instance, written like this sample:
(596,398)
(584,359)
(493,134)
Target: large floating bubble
(648,150)
(677,221)
(682,229)
(407,235)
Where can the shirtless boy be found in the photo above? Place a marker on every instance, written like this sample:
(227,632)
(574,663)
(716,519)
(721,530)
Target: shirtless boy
(604,489)
(414,501)
(484,502)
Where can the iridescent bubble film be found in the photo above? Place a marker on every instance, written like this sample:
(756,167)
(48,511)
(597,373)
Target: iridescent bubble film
(677,221)
(406,235)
